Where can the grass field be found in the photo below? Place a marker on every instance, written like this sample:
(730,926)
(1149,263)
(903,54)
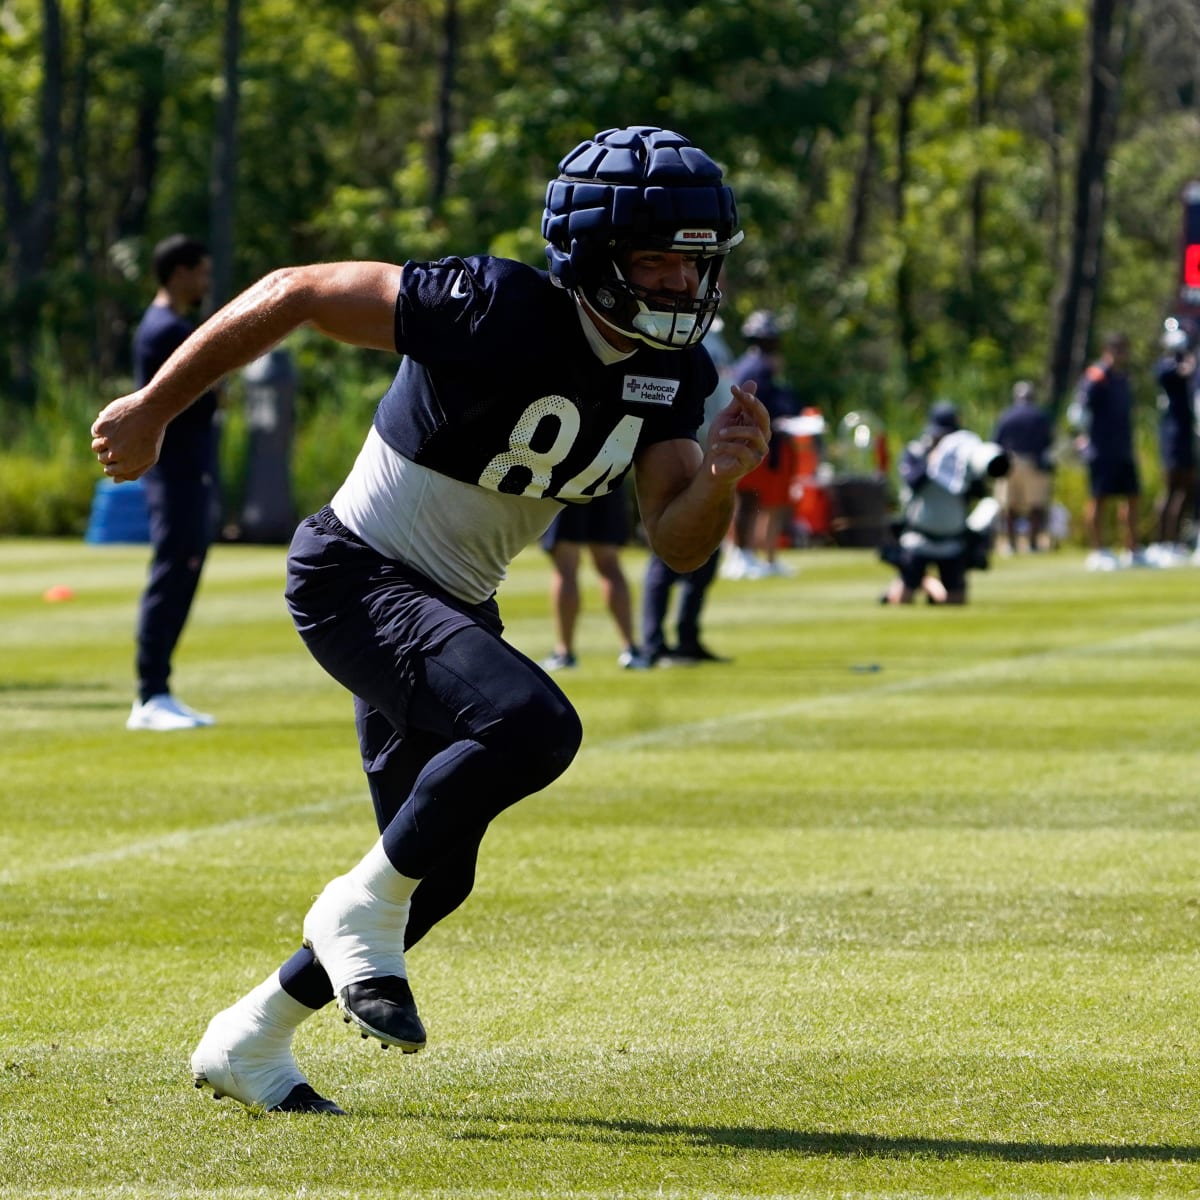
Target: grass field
(904,903)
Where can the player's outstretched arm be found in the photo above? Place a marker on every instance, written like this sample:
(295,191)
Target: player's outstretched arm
(351,302)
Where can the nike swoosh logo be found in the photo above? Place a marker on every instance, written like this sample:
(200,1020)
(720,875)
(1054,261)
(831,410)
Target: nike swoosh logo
(459,291)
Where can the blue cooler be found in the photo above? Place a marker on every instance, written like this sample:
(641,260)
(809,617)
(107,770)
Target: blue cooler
(119,513)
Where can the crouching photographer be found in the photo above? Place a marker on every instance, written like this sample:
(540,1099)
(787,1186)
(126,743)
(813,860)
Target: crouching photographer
(947,518)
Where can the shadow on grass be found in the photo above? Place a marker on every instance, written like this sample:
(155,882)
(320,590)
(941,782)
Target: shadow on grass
(843,1145)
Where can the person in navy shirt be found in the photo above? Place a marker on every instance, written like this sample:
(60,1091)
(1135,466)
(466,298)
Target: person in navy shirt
(1026,433)
(180,489)
(1104,405)
(1175,375)
(518,392)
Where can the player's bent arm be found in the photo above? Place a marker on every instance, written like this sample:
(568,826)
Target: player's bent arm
(686,498)
(353,302)
(685,512)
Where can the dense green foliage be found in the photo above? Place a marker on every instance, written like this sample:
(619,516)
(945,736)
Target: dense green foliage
(785,928)
(904,167)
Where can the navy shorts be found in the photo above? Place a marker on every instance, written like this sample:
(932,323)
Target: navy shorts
(603,522)
(1113,477)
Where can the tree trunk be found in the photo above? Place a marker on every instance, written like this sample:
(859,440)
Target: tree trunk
(906,318)
(443,117)
(975,318)
(32,220)
(223,182)
(1075,306)
(863,178)
(143,167)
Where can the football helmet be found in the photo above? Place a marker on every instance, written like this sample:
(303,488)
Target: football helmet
(640,188)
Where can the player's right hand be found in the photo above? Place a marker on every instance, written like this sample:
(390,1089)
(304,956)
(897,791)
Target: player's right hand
(126,440)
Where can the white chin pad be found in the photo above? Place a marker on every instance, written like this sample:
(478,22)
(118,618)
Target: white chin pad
(671,329)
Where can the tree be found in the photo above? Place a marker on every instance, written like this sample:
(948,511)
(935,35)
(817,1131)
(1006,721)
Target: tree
(1075,307)
(31,212)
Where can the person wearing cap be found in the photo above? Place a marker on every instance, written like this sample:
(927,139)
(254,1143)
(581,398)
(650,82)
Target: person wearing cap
(943,472)
(1175,375)
(1026,433)
(517,392)
(764,496)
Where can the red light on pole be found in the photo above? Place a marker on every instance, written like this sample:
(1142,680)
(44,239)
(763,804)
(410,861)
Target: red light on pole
(1191,266)
(1187,301)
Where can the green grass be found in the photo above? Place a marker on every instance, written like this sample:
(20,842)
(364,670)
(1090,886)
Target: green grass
(786,927)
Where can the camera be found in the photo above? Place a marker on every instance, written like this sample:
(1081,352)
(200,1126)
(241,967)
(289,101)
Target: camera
(962,461)
(989,461)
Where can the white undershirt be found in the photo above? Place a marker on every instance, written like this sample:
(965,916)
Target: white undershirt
(458,534)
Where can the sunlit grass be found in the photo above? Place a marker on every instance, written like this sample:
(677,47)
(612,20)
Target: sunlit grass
(902,903)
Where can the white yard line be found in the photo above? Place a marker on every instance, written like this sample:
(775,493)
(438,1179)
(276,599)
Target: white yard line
(709,729)
(996,669)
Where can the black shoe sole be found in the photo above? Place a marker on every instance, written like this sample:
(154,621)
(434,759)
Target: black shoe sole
(301,1099)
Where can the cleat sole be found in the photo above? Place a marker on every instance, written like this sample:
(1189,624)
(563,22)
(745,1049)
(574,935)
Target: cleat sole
(367,1031)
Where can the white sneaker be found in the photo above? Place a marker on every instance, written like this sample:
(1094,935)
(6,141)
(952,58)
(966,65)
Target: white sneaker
(163,713)
(633,660)
(248,1060)
(1164,554)
(1135,558)
(1101,560)
(777,569)
(355,934)
(733,564)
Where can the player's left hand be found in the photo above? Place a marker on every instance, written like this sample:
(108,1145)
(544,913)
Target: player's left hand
(738,435)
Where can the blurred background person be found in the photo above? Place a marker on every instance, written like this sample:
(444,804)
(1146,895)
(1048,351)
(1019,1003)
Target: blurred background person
(944,472)
(602,529)
(181,489)
(687,649)
(1103,410)
(764,496)
(1175,374)
(1026,434)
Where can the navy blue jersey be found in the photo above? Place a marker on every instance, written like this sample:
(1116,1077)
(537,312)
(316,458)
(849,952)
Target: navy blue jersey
(1107,399)
(481,399)
(1026,429)
(1177,415)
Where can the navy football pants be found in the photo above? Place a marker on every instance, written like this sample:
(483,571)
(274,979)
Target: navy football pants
(180,504)
(657,599)
(454,724)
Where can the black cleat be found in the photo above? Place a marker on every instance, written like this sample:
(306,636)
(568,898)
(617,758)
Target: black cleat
(687,656)
(384,1008)
(303,1099)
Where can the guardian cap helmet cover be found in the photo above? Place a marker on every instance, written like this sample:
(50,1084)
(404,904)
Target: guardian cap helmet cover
(641,188)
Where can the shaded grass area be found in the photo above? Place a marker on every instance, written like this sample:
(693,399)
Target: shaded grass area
(788,927)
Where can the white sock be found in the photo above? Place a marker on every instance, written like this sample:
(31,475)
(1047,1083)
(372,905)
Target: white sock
(272,1010)
(376,875)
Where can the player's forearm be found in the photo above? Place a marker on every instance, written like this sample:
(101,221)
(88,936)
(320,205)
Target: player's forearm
(694,524)
(246,328)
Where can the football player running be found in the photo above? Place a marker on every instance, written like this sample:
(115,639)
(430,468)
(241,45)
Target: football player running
(518,391)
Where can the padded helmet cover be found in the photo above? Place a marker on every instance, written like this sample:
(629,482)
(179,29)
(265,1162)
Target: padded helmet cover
(639,188)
